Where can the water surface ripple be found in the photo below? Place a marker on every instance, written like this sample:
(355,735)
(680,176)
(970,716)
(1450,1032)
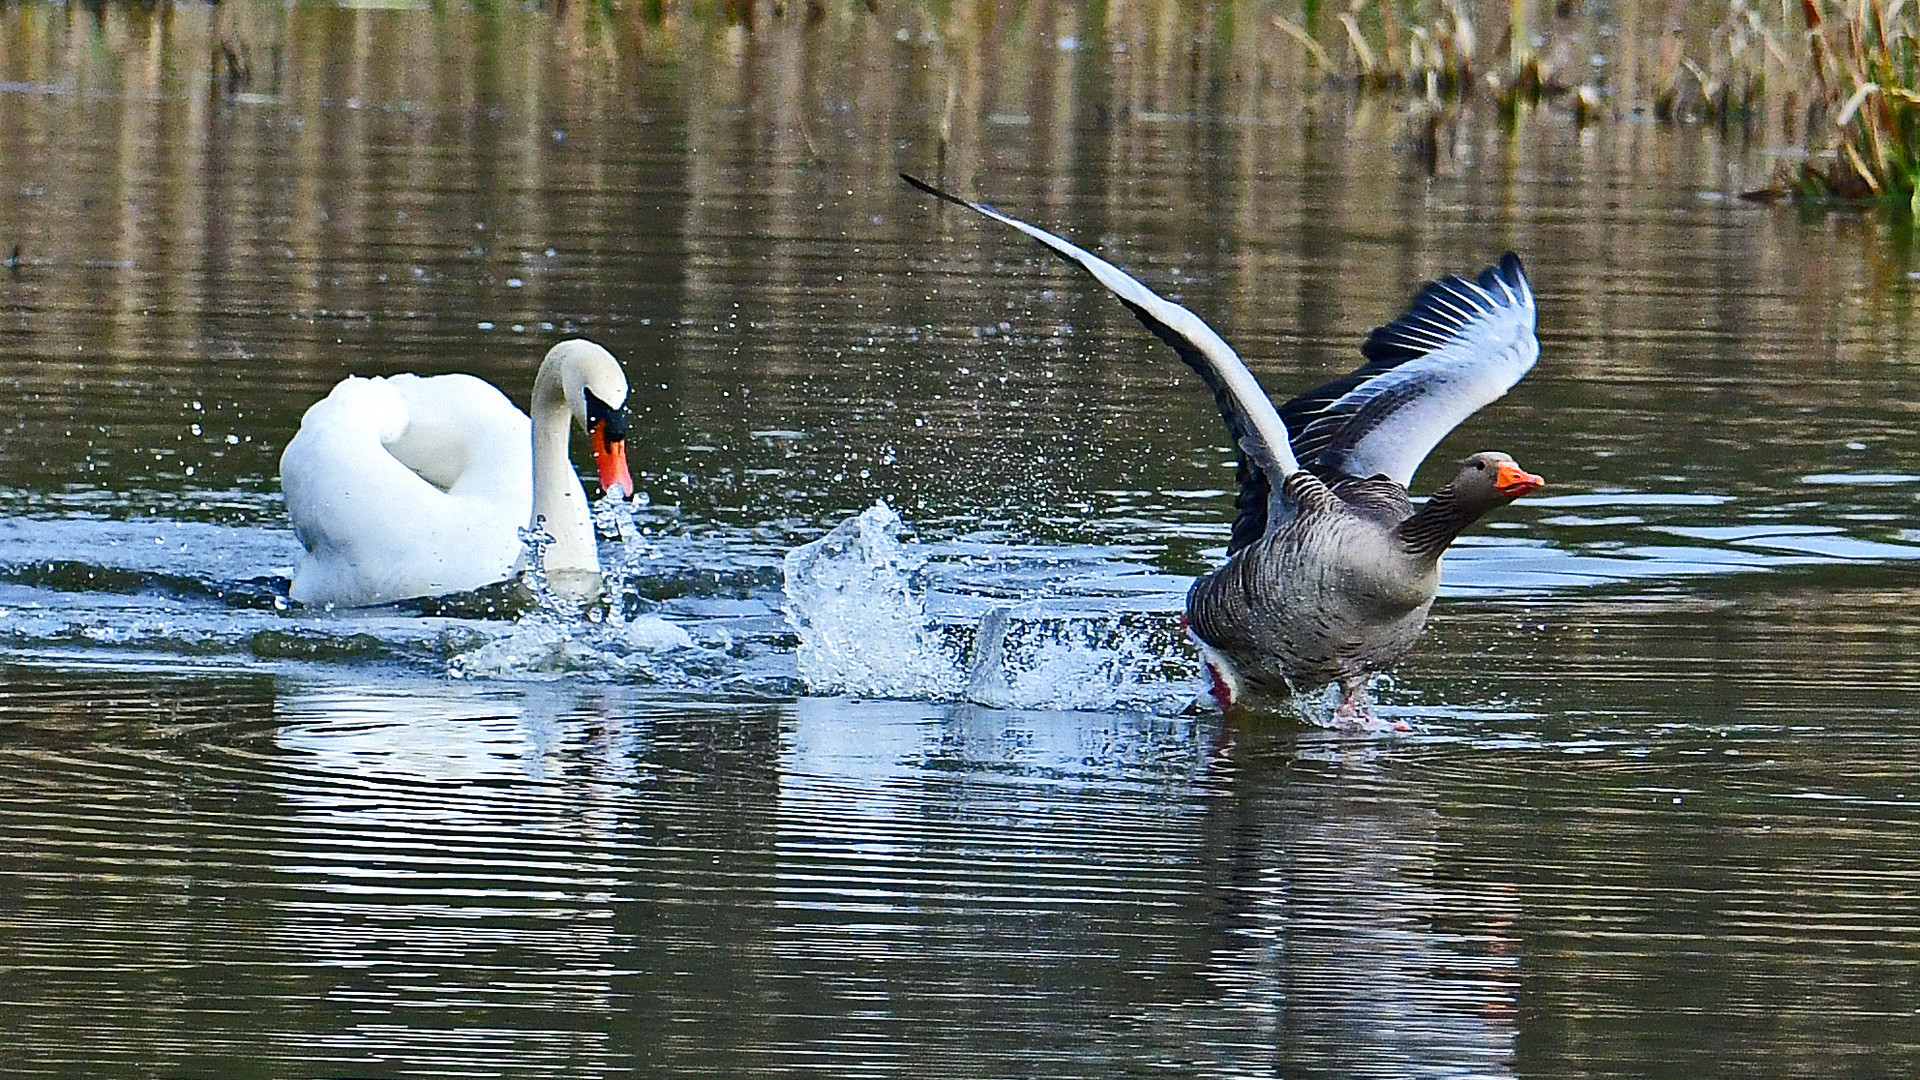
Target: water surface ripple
(935,802)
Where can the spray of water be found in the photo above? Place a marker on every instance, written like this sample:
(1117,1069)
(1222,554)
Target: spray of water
(871,623)
(609,637)
(855,603)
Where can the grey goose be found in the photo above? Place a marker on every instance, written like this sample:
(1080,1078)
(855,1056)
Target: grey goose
(1331,569)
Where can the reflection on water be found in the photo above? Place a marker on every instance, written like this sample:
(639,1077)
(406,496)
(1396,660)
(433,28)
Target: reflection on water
(368,870)
(739,886)
(1654,813)
(1353,949)
(212,865)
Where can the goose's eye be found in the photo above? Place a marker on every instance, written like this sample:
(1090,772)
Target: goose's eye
(1481,465)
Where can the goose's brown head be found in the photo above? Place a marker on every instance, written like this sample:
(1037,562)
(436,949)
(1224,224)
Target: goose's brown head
(1491,479)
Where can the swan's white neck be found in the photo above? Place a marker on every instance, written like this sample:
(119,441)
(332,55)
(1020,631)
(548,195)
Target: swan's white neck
(560,505)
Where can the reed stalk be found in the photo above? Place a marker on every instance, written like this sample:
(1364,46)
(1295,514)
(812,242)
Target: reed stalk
(1865,61)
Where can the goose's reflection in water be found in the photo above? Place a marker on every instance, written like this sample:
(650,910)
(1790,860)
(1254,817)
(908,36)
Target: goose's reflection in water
(1348,936)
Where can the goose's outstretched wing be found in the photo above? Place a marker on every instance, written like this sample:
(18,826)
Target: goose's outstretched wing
(1251,418)
(1461,345)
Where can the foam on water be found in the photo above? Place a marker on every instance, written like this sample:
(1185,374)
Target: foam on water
(549,643)
(621,639)
(218,593)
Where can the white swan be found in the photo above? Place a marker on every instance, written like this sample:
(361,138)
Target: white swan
(406,486)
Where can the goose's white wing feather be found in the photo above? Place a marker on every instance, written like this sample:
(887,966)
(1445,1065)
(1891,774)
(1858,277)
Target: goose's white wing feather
(1461,345)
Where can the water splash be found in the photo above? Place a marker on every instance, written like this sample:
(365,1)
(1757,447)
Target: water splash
(872,621)
(610,637)
(855,601)
(1026,657)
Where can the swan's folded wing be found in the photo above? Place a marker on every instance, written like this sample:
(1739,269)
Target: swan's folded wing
(352,503)
(1250,416)
(374,529)
(1462,344)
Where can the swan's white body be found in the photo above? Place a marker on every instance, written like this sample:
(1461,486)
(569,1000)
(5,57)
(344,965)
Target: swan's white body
(406,486)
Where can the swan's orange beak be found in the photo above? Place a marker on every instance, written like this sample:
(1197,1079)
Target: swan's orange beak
(610,456)
(1513,481)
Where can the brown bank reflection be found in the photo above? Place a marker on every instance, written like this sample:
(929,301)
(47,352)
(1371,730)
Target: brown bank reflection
(136,841)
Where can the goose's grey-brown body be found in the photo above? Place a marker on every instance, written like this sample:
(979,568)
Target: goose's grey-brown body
(1331,569)
(1341,588)
(1328,596)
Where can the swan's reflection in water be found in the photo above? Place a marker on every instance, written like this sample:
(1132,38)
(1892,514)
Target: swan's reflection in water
(457,855)
(454,733)
(736,889)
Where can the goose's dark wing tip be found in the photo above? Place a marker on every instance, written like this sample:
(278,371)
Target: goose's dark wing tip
(1251,507)
(938,193)
(1508,272)
(1471,326)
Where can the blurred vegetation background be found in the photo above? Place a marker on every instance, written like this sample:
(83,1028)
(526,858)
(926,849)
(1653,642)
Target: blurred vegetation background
(1833,85)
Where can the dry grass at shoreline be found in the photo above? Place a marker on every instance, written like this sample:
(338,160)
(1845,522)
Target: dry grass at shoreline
(1848,71)
(1866,65)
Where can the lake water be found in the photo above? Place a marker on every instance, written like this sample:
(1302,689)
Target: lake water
(1654,813)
